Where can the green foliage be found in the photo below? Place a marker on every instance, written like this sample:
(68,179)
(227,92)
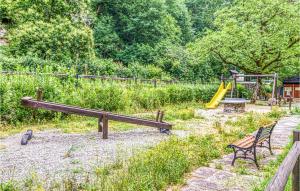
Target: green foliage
(22,11)
(55,40)
(243,92)
(140,31)
(107,41)
(180,12)
(203,13)
(296,111)
(139,21)
(103,67)
(90,94)
(9,186)
(257,36)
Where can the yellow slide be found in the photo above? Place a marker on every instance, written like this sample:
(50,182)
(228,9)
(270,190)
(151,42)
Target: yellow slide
(214,102)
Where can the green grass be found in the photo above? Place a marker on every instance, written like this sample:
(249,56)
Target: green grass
(296,111)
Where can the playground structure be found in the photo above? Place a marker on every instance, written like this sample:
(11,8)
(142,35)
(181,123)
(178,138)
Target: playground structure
(103,116)
(246,79)
(222,90)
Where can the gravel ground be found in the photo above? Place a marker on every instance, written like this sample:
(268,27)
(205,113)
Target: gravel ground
(55,154)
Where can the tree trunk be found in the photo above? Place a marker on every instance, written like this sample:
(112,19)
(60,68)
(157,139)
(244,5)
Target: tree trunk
(257,90)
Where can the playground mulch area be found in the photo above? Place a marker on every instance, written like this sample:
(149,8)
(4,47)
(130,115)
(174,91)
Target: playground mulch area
(53,155)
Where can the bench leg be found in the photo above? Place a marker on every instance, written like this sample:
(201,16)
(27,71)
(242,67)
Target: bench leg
(255,158)
(270,148)
(234,157)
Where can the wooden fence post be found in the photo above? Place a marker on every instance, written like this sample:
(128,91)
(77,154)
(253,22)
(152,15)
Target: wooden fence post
(161,116)
(105,127)
(154,83)
(39,97)
(39,94)
(290,99)
(85,69)
(157,116)
(296,169)
(100,124)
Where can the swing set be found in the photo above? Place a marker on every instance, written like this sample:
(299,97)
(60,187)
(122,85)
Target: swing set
(251,80)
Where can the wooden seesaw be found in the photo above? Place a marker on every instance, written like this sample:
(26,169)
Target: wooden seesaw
(103,116)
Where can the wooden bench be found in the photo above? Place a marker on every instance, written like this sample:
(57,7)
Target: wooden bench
(248,144)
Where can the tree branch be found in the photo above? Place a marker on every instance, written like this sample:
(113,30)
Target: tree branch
(223,59)
(293,42)
(276,59)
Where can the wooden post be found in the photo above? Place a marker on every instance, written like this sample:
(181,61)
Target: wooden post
(274,86)
(296,169)
(39,94)
(161,116)
(100,124)
(39,97)
(157,115)
(85,69)
(290,99)
(105,126)
(154,83)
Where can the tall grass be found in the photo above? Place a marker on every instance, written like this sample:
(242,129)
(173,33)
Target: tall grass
(110,96)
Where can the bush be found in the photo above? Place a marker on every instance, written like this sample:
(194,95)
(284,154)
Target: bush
(57,40)
(110,96)
(243,92)
(96,66)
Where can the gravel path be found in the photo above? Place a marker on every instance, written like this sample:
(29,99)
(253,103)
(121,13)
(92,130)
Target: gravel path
(55,154)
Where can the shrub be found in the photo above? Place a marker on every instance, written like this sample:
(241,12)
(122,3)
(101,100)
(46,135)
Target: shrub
(296,111)
(243,92)
(57,40)
(88,93)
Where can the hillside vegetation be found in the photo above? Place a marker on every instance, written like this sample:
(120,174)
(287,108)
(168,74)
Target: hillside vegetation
(182,39)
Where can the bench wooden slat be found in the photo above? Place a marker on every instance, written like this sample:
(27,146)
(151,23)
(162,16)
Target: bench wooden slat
(250,142)
(245,141)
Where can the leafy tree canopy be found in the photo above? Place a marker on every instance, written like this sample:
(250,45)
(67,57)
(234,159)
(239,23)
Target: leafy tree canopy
(138,30)
(257,36)
(20,11)
(56,40)
(202,12)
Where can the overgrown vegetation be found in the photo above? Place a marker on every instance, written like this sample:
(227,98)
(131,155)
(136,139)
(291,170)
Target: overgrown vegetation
(94,94)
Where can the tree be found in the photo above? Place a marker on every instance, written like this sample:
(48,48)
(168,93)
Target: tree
(21,11)
(56,40)
(139,27)
(179,11)
(257,36)
(107,41)
(202,12)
